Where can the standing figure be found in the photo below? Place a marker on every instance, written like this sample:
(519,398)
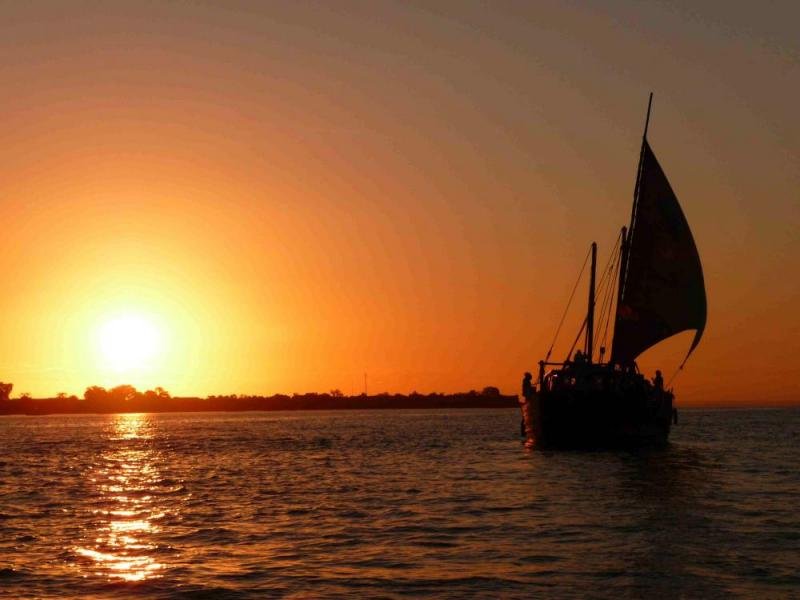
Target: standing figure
(658,381)
(528,390)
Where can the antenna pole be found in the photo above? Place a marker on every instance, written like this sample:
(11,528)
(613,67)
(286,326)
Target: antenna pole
(590,314)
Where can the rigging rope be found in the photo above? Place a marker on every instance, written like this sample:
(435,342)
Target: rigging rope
(605,310)
(611,297)
(608,301)
(604,294)
(569,303)
(604,290)
(577,337)
(675,374)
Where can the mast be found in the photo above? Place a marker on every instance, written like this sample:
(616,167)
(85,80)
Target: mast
(626,233)
(639,167)
(623,261)
(590,313)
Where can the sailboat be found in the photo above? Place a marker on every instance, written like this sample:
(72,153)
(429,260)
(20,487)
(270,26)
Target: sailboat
(654,282)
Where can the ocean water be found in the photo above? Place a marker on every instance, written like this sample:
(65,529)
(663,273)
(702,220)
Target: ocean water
(393,504)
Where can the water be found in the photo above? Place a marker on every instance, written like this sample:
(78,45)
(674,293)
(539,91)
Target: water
(393,504)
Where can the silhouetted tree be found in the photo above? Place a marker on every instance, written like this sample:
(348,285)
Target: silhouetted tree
(123,393)
(61,395)
(95,393)
(337,393)
(5,390)
(491,391)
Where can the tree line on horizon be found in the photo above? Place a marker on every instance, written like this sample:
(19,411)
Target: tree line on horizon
(94,393)
(127,393)
(126,398)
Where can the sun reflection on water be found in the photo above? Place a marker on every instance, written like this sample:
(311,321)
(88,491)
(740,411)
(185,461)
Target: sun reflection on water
(124,479)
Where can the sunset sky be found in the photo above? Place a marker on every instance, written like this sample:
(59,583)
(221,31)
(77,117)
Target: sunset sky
(278,197)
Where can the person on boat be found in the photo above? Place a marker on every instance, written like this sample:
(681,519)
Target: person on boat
(658,381)
(528,390)
(527,386)
(580,365)
(581,361)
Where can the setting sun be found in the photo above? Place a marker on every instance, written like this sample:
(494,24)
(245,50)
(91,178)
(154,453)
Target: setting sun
(129,342)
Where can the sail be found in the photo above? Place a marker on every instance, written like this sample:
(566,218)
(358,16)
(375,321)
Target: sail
(663,292)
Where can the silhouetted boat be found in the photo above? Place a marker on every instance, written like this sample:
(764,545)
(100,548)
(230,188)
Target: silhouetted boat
(656,278)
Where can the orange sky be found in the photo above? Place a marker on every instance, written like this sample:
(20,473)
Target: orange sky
(298,193)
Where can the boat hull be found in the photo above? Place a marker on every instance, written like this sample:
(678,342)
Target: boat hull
(597,419)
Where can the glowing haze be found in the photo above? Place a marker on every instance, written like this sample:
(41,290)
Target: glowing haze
(245,198)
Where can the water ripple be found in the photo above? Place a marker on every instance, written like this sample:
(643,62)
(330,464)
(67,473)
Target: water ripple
(390,504)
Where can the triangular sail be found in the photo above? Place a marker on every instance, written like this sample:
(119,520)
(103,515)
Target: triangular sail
(663,291)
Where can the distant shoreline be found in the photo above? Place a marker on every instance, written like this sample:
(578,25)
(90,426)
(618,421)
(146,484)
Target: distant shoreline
(296,402)
(73,405)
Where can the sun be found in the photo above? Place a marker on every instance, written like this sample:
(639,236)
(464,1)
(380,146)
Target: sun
(129,342)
